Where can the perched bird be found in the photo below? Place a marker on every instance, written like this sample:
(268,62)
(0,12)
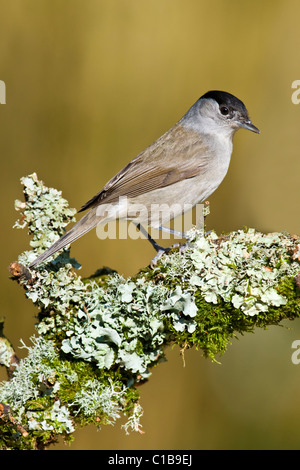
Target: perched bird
(181,168)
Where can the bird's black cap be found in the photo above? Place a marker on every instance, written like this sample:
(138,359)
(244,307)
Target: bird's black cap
(226,99)
(232,102)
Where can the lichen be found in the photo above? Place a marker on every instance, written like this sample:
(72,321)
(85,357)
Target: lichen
(243,268)
(98,337)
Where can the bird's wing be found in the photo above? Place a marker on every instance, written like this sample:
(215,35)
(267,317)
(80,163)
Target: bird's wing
(177,155)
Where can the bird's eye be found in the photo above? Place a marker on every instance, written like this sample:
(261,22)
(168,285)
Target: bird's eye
(224,110)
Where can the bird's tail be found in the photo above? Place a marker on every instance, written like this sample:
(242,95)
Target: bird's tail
(89,221)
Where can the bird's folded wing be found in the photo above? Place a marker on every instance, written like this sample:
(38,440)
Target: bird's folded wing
(162,164)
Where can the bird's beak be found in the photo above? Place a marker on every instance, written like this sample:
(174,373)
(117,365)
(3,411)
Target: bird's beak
(248,125)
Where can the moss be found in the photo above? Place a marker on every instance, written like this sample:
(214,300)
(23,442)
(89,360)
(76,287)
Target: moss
(58,397)
(100,336)
(218,324)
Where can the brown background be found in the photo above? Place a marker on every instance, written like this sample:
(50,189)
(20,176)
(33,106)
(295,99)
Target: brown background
(89,85)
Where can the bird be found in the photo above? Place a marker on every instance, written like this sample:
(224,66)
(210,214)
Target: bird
(181,168)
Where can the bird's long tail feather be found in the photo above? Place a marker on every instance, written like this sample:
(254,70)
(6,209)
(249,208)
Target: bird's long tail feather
(87,223)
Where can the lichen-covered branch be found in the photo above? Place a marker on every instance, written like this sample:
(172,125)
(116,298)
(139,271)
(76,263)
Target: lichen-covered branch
(98,337)
(8,357)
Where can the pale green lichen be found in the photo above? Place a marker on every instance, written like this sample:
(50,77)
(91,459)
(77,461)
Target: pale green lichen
(37,383)
(124,328)
(180,306)
(7,353)
(29,375)
(94,397)
(243,268)
(57,419)
(45,212)
(99,336)
(133,423)
(120,325)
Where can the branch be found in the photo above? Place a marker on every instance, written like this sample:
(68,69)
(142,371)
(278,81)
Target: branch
(97,338)
(8,357)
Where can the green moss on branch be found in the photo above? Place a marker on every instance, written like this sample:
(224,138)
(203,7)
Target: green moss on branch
(98,337)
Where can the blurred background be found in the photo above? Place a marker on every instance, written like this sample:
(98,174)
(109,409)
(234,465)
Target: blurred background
(89,84)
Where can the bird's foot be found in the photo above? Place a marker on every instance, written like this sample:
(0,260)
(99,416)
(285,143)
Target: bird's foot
(160,252)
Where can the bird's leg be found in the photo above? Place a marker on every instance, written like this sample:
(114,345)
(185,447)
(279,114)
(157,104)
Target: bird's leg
(183,247)
(160,249)
(155,245)
(172,231)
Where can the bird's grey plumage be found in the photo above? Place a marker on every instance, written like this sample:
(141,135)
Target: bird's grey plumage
(85,224)
(149,171)
(185,165)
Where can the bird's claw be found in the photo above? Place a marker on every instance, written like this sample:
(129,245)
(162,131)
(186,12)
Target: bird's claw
(160,253)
